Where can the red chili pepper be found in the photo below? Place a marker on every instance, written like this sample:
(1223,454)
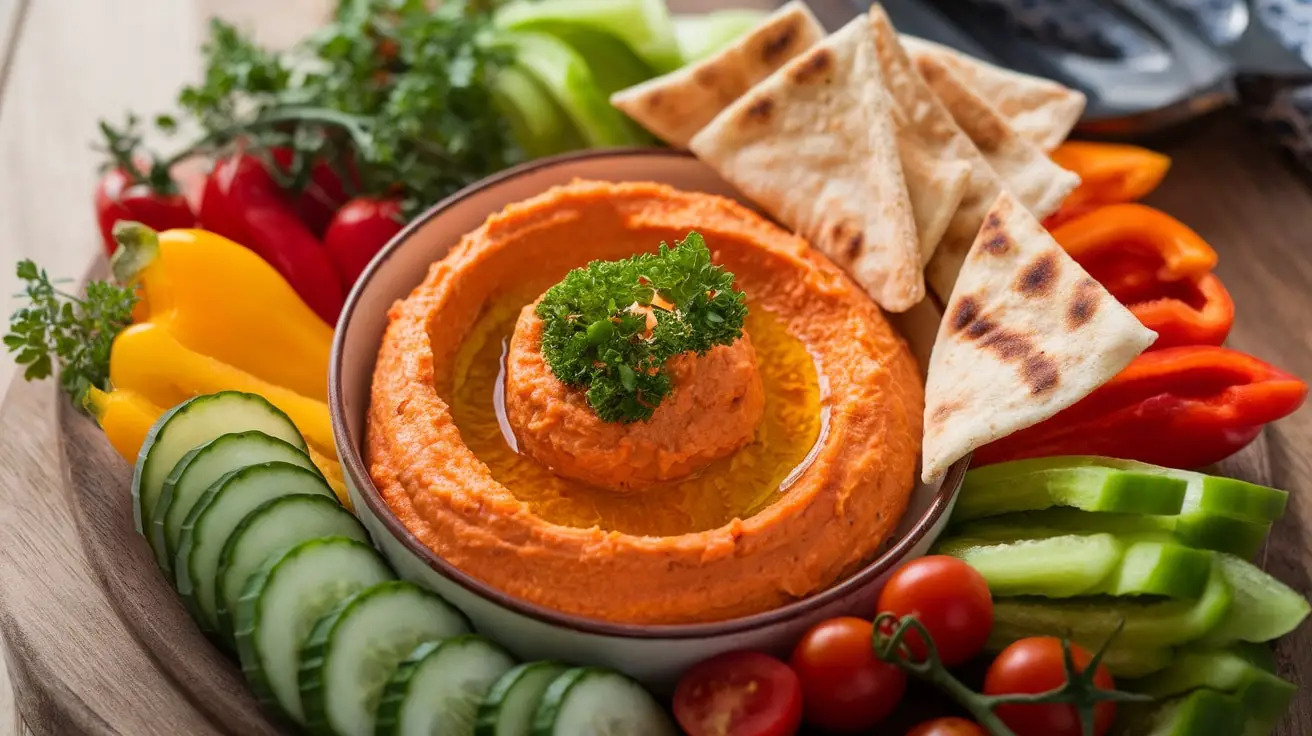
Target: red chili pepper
(323,195)
(358,231)
(1182,407)
(119,198)
(243,203)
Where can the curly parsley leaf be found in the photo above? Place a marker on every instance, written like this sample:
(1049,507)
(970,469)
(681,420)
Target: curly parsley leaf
(595,332)
(56,328)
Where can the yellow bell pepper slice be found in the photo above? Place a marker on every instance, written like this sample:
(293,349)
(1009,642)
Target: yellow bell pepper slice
(126,417)
(222,300)
(149,360)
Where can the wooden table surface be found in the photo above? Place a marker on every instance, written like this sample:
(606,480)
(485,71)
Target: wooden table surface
(66,63)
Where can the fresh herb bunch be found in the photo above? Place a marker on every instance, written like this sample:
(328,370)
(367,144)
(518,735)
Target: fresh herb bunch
(395,96)
(593,336)
(76,333)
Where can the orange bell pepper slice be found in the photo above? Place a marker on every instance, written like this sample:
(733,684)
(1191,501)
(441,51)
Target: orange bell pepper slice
(1110,173)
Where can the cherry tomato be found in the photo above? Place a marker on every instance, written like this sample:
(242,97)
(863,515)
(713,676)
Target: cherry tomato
(1036,665)
(949,598)
(358,231)
(948,727)
(119,198)
(845,688)
(739,694)
(322,195)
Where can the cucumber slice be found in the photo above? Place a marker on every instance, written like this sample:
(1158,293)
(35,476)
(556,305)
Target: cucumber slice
(191,424)
(282,602)
(1198,529)
(1091,621)
(274,527)
(592,701)
(512,700)
(197,471)
(1230,497)
(614,67)
(566,77)
(537,122)
(1264,608)
(703,34)
(1084,564)
(1156,568)
(1201,713)
(1136,661)
(1057,567)
(1203,493)
(217,514)
(438,688)
(1034,485)
(645,26)
(354,650)
(1265,696)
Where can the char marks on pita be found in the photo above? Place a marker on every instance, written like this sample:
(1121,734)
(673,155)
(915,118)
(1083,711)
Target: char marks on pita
(815,145)
(1040,110)
(677,105)
(1026,334)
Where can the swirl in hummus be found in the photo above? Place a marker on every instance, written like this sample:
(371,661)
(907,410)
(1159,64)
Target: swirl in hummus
(610,544)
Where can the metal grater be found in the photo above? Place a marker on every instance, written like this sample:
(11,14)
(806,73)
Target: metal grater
(1144,64)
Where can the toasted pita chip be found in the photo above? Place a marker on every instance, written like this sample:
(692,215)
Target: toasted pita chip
(1025,171)
(1026,334)
(1040,110)
(677,105)
(814,145)
(933,150)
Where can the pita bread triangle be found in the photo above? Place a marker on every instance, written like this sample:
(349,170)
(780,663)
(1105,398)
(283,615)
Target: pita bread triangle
(935,154)
(814,144)
(677,105)
(1040,110)
(1022,169)
(1026,334)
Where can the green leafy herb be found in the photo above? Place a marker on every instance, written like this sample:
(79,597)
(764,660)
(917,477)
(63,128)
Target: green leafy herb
(593,336)
(75,333)
(393,95)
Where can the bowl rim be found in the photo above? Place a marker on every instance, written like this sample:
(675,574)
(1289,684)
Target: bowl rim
(353,463)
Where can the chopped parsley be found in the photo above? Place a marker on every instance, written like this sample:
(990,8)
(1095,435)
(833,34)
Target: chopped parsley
(596,332)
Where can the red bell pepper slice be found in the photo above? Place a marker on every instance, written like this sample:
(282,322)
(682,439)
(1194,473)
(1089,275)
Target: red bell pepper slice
(1156,266)
(1182,407)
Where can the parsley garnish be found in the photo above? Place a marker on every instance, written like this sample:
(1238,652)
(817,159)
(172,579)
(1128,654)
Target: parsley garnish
(593,337)
(76,333)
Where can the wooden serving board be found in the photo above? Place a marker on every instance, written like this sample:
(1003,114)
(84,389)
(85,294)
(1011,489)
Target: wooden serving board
(97,642)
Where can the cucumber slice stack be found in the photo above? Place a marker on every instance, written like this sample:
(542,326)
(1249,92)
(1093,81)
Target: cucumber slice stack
(1081,547)
(272,567)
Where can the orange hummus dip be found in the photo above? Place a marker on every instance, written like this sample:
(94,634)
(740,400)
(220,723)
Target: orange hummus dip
(832,518)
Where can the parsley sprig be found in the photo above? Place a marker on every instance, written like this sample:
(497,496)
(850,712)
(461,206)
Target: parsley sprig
(395,96)
(75,333)
(593,337)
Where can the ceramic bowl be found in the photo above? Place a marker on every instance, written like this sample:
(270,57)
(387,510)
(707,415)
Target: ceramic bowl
(655,655)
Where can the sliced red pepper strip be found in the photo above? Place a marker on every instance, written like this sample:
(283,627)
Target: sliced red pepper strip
(1195,312)
(1182,407)
(1110,173)
(1135,228)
